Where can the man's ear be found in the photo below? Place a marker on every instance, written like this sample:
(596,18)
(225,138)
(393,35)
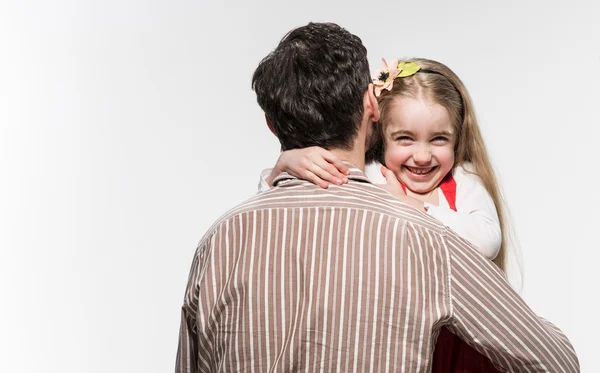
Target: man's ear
(270,125)
(370,104)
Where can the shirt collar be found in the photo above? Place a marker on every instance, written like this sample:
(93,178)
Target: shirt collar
(355,174)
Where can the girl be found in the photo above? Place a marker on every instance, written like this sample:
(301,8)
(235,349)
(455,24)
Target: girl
(435,160)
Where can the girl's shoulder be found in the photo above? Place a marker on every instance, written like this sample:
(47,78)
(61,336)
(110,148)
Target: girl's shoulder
(465,171)
(466,178)
(463,168)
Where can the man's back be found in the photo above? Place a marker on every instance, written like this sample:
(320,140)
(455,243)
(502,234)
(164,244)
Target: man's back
(345,279)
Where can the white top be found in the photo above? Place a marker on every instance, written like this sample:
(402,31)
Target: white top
(475,218)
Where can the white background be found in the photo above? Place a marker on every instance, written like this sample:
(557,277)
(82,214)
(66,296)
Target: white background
(128,127)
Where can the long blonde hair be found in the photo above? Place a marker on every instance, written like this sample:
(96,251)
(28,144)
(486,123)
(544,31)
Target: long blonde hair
(438,83)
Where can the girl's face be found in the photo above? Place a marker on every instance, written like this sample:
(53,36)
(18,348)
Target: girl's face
(419,141)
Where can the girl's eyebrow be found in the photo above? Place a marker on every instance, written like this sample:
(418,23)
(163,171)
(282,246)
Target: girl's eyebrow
(407,132)
(443,133)
(401,132)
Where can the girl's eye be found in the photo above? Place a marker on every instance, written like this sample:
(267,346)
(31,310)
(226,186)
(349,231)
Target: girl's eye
(403,138)
(440,140)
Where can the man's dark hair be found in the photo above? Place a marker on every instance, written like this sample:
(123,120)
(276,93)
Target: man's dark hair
(311,87)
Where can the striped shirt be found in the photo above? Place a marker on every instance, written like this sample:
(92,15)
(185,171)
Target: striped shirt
(349,279)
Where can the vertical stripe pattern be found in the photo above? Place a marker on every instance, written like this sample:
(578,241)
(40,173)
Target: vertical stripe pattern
(348,279)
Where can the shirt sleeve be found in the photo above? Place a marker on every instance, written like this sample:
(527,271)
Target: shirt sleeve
(262,183)
(476,218)
(190,359)
(491,317)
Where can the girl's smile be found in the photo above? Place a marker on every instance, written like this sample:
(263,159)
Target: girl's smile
(420,171)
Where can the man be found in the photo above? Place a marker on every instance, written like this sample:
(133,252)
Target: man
(344,279)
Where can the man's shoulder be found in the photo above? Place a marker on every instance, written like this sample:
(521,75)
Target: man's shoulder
(251,204)
(297,194)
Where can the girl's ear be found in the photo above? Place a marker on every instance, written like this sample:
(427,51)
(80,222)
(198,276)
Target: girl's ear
(370,104)
(270,125)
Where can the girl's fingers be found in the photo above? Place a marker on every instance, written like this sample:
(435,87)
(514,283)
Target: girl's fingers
(325,175)
(335,176)
(389,175)
(334,160)
(315,179)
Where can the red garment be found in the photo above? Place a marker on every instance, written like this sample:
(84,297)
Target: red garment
(451,354)
(448,187)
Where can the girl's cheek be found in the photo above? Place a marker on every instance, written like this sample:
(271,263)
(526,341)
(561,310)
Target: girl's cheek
(448,157)
(402,154)
(450,153)
(395,155)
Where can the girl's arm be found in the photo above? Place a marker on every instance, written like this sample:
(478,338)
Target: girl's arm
(314,164)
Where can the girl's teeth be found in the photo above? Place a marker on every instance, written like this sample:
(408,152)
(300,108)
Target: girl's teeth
(420,171)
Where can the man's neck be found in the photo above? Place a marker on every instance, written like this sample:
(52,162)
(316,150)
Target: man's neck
(355,156)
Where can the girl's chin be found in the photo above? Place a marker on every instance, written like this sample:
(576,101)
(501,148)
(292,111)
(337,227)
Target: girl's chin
(419,187)
(421,191)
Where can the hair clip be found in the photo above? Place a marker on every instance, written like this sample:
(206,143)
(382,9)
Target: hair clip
(384,77)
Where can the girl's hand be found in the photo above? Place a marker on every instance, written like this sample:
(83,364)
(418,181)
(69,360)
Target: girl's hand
(314,164)
(393,186)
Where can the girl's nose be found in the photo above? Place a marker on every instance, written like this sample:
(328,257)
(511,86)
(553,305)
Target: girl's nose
(422,157)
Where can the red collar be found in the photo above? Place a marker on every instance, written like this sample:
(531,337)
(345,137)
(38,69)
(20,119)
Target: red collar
(448,187)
